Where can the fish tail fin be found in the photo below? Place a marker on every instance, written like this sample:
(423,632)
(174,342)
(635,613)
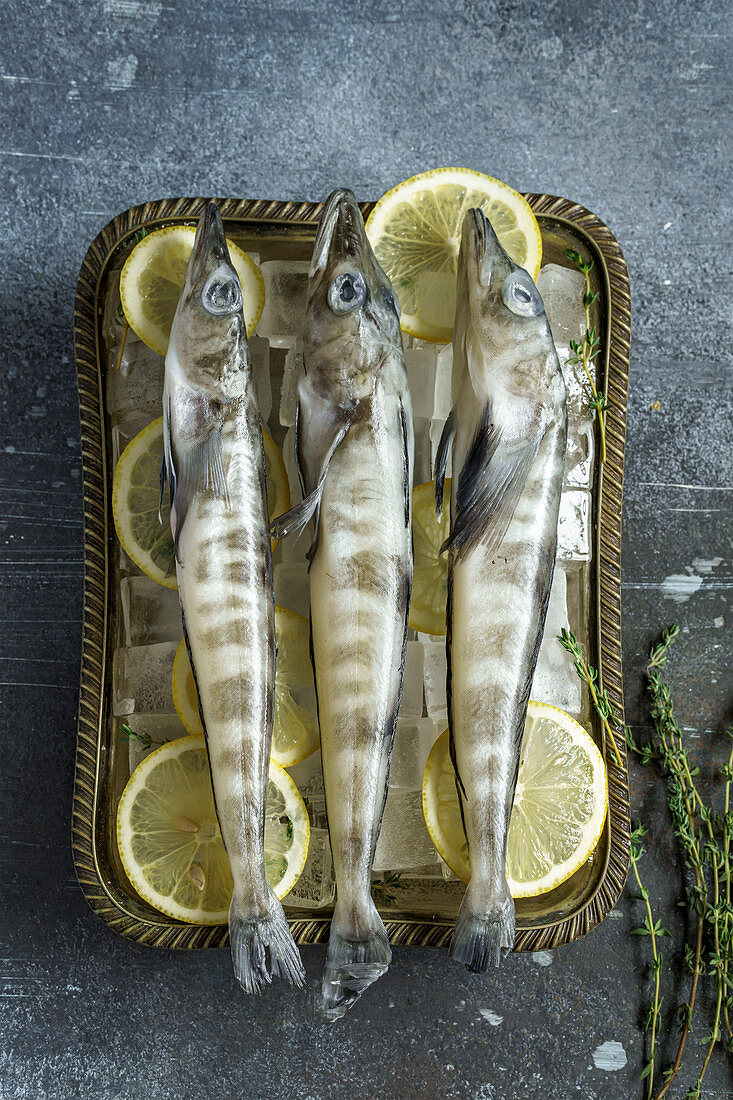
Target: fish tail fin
(481,939)
(263,947)
(358,955)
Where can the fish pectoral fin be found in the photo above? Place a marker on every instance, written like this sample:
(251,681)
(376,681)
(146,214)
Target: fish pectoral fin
(296,519)
(441,461)
(197,467)
(489,487)
(162,479)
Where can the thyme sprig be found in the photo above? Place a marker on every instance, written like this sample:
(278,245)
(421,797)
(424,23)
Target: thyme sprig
(654,930)
(704,837)
(383,888)
(589,347)
(147,742)
(599,697)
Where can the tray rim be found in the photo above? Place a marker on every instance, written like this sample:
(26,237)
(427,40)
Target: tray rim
(607,609)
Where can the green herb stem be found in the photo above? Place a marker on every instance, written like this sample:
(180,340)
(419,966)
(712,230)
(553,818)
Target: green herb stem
(589,675)
(586,350)
(651,929)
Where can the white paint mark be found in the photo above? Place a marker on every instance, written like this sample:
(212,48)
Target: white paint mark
(681,485)
(542,958)
(720,621)
(667,225)
(133,9)
(680,586)
(610,1056)
(121,72)
(667,282)
(552,47)
(706,567)
(491,1017)
(41,156)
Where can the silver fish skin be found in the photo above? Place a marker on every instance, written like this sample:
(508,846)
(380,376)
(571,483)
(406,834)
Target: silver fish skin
(214,462)
(508,430)
(354,441)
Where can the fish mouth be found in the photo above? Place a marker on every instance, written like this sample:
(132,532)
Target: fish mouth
(481,242)
(210,247)
(341,235)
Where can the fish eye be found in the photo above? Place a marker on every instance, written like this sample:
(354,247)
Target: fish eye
(521,296)
(390,300)
(222,294)
(347,291)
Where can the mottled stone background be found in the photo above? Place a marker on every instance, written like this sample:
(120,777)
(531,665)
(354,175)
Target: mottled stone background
(106,103)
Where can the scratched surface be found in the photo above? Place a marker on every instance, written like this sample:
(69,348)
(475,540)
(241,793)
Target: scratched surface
(106,103)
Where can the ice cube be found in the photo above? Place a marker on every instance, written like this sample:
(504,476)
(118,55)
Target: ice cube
(577,389)
(562,290)
(429,372)
(427,870)
(421,364)
(316,886)
(436,431)
(286,286)
(576,576)
(141,679)
(446,873)
(259,350)
(292,587)
(158,727)
(125,432)
(574,526)
(414,738)
(412,682)
(292,371)
(555,679)
(443,382)
(308,778)
(423,470)
(404,840)
(436,670)
(136,389)
(291,466)
(579,456)
(150,612)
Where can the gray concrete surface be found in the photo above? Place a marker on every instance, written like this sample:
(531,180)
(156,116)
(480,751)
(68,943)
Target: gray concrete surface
(106,103)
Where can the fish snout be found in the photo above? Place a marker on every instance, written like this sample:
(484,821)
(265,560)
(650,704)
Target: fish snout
(341,235)
(210,249)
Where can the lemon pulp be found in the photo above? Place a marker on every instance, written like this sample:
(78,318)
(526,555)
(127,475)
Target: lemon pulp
(415,231)
(169,840)
(559,809)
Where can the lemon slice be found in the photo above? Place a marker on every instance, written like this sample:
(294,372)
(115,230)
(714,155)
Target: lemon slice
(169,840)
(415,231)
(136,492)
(559,806)
(295,727)
(295,733)
(430,570)
(152,279)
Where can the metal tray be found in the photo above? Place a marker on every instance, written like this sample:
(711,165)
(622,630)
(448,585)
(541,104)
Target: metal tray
(287,230)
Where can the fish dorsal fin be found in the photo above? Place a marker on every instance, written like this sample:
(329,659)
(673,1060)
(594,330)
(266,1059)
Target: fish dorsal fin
(489,487)
(441,461)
